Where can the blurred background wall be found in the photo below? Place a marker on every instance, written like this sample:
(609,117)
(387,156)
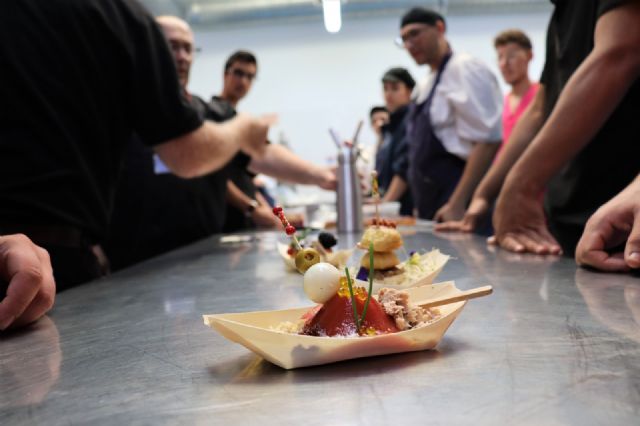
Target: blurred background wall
(314,79)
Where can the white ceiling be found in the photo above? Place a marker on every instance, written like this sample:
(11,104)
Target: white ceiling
(231,12)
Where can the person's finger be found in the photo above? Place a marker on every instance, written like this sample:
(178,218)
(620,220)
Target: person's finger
(469,223)
(23,271)
(45,298)
(537,242)
(632,248)
(552,244)
(511,242)
(604,261)
(530,242)
(592,241)
(449,226)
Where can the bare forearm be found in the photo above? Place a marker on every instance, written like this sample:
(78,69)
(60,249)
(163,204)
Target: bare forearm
(202,151)
(523,133)
(236,197)
(587,101)
(477,164)
(396,189)
(212,145)
(279,162)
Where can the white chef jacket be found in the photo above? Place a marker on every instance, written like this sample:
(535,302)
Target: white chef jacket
(467,104)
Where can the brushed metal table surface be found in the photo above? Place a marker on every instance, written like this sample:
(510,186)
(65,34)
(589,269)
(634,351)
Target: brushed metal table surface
(553,345)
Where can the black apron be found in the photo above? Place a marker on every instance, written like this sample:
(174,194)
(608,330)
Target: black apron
(433,171)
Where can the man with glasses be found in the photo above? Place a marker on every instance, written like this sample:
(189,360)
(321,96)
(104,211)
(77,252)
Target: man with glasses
(454,127)
(154,210)
(246,206)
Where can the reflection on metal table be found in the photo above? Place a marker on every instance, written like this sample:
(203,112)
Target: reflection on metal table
(553,345)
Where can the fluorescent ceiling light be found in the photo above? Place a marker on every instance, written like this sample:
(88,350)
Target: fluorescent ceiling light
(332,15)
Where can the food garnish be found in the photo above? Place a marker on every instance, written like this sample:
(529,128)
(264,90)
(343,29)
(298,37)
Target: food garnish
(305,257)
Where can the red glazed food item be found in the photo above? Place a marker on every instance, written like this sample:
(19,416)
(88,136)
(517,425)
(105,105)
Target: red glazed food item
(335,317)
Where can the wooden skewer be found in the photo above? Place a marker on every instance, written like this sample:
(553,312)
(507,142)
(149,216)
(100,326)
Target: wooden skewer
(376,195)
(296,242)
(465,295)
(357,133)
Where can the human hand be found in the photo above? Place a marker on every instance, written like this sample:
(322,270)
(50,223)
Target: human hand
(610,226)
(263,217)
(520,224)
(31,288)
(449,212)
(326,178)
(476,212)
(252,132)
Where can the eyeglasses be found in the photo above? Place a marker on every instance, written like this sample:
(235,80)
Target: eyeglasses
(177,47)
(410,36)
(243,74)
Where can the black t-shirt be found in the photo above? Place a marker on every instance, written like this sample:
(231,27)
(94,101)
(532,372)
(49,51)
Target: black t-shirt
(237,169)
(612,159)
(77,77)
(156,211)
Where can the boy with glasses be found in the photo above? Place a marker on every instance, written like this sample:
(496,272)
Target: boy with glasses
(454,127)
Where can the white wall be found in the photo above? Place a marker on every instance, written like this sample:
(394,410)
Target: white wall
(314,80)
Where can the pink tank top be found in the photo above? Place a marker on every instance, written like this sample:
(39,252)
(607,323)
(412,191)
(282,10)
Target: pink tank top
(510,118)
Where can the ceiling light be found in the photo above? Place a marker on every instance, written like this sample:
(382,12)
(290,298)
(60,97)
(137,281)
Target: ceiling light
(332,15)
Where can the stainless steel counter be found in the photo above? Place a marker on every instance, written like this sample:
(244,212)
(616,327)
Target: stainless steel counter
(553,345)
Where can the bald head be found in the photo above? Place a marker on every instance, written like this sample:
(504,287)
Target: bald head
(180,39)
(168,22)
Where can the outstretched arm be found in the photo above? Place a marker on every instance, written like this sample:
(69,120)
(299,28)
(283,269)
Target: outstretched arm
(589,98)
(279,162)
(212,145)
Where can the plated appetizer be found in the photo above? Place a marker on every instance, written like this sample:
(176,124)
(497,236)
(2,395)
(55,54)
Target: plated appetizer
(387,269)
(350,311)
(260,333)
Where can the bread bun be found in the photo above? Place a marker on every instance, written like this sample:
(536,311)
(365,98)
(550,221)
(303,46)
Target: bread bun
(380,260)
(385,239)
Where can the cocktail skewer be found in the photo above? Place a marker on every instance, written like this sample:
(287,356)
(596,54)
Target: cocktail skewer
(465,295)
(288,228)
(375,193)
